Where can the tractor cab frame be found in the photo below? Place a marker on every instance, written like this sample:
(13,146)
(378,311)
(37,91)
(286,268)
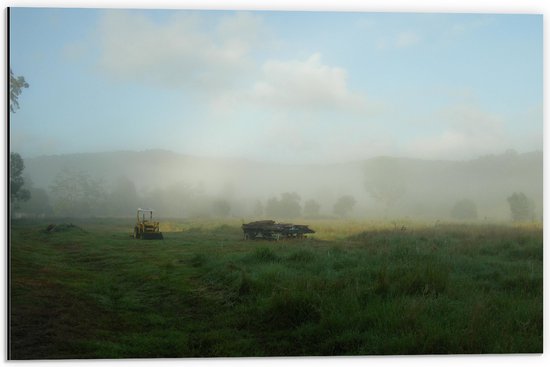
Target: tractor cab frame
(146,227)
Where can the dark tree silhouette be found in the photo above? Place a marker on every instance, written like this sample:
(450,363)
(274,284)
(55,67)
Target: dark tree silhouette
(18,192)
(17,83)
(521,206)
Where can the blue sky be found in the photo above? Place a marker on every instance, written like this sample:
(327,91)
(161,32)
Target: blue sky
(293,87)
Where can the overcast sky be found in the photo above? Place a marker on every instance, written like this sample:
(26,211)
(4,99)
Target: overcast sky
(293,87)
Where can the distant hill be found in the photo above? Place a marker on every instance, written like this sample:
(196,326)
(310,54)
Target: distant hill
(427,188)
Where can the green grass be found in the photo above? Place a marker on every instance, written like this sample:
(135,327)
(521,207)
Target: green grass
(353,288)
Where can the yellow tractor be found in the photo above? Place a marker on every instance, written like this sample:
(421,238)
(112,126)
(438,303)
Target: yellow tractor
(145,227)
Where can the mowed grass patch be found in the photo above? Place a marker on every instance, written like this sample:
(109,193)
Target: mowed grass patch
(204,291)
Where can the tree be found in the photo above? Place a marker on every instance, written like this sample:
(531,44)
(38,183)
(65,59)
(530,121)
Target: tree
(258,209)
(344,205)
(385,182)
(221,208)
(311,208)
(123,199)
(17,83)
(272,207)
(290,205)
(464,210)
(286,207)
(39,203)
(522,208)
(77,194)
(18,192)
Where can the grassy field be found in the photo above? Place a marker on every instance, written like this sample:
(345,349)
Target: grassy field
(353,288)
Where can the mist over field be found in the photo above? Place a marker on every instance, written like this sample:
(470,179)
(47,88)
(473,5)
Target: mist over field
(183,186)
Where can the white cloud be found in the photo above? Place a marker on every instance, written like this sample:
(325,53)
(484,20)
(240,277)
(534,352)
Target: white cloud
(244,28)
(305,84)
(182,52)
(178,52)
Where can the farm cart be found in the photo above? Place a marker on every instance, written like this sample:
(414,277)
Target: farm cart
(269,229)
(145,227)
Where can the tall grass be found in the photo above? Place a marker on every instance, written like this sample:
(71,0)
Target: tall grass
(350,289)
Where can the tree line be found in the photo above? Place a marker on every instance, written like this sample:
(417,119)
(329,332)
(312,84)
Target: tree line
(75,193)
(385,184)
